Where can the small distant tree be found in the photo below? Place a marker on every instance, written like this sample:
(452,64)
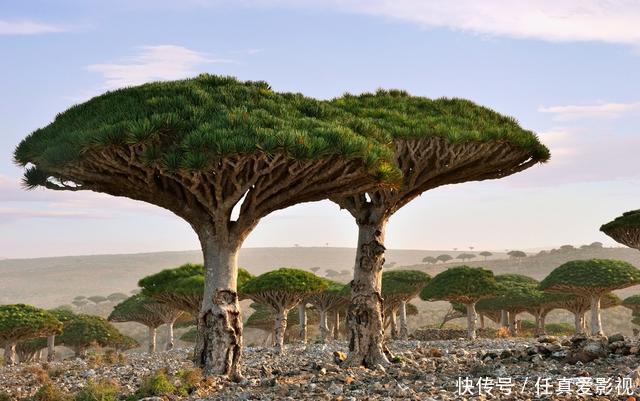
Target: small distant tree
(117,297)
(144,310)
(625,229)
(398,288)
(331,273)
(20,322)
(465,256)
(84,331)
(444,258)
(486,254)
(315,270)
(517,254)
(592,278)
(596,245)
(430,260)
(331,298)
(80,298)
(64,316)
(462,284)
(567,248)
(80,302)
(281,290)
(96,299)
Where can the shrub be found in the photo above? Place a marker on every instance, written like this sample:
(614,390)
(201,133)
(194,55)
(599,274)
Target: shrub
(189,379)
(155,384)
(4,396)
(49,392)
(103,390)
(560,329)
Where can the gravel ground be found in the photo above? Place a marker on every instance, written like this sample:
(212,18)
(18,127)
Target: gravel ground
(424,370)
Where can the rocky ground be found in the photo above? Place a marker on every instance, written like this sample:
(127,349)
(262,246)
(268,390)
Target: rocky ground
(501,369)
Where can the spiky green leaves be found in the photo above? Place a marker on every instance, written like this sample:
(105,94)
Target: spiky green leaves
(461,284)
(519,293)
(285,280)
(403,281)
(188,278)
(595,276)
(86,330)
(625,229)
(629,219)
(20,322)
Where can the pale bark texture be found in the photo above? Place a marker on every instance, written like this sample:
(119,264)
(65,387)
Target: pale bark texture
(302,318)
(513,330)
(596,324)
(10,353)
(481,321)
(394,324)
(280,326)
(504,318)
(471,321)
(51,348)
(404,328)
(324,327)
(336,325)
(170,340)
(578,322)
(152,340)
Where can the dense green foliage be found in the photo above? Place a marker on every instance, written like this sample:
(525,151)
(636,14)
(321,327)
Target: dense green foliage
(462,284)
(86,330)
(629,219)
(22,322)
(138,308)
(633,301)
(286,280)
(188,124)
(518,293)
(595,275)
(403,281)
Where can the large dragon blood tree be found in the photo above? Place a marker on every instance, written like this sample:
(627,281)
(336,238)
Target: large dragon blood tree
(144,310)
(398,288)
(578,305)
(19,322)
(436,142)
(463,284)
(206,149)
(592,278)
(625,229)
(281,290)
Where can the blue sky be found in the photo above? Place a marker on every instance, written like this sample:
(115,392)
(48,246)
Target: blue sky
(566,69)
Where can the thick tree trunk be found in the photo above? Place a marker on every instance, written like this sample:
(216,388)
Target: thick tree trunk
(365,313)
(219,343)
(279,328)
(543,323)
(336,325)
(596,324)
(404,329)
(152,340)
(504,318)
(394,324)
(512,324)
(577,321)
(302,317)
(51,348)
(324,328)
(471,321)
(170,342)
(10,353)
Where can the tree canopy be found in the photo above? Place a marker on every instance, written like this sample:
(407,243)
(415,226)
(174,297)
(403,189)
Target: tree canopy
(517,293)
(461,284)
(86,330)
(625,229)
(594,276)
(19,322)
(142,309)
(285,280)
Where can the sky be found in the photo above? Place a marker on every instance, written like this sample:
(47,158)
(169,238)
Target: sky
(566,69)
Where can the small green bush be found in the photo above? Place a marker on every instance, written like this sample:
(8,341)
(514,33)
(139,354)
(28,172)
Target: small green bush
(560,329)
(189,380)
(4,396)
(49,392)
(103,390)
(155,384)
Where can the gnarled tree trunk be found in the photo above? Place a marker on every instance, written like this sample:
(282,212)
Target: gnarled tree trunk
(404,329)
(219,341)
(504,318)
(365,313)
(394,323)
(279,328)
(152,340)
(596,324)
(170,341)
(302,317)
(10,353)
(51,348)
(471,321)
(324,327)
(513,330)
(577,322)
(336,324)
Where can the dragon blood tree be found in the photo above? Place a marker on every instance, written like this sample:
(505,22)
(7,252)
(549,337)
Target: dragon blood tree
(263,319)
(64,316)
(436,142)
(281,290)
(19,322)
(456,310)
(632,303)
(207,148)
(398,288)
(463,284)
(84,331)
(591,278)
(578,305)
(332,298)
(625,229)
(151,313)
(183,286)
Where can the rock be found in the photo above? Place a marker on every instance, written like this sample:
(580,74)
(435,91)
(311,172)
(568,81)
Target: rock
(335,389)
(615,338)
(547,339)
(588,351)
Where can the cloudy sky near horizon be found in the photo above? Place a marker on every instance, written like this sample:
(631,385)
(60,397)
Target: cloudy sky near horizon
(567,69)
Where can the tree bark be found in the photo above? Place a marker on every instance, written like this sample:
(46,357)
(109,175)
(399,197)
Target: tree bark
(51,348)
(404,329)
(583,319)
(170,340)
(336,325)
(10,353)
(596,324)
(152,340)
(324,328)
(577,321)
(219,343)
(302,317)
(504,318)
(365,313)
(481,321)
(471,321)
(279,328)
(543,323)
(512,324)
(394,324)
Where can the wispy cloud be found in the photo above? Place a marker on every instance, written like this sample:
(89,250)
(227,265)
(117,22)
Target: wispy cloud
(602,110)
(552,20)
(26,27)
(153,63)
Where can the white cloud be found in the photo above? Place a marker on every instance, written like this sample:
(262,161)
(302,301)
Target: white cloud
(602,110)
(154,63)
(614,21)
(28,28)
